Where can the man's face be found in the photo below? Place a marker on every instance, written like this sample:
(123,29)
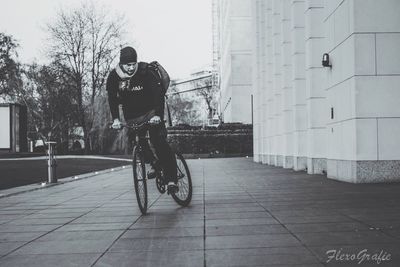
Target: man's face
(130,67)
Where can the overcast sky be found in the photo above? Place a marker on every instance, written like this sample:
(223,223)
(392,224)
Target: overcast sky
(177,33)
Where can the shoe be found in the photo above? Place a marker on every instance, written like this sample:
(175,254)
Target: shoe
(151,174)
(172,188)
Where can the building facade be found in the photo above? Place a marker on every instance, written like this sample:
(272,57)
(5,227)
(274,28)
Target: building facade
(341,117)
(232,38)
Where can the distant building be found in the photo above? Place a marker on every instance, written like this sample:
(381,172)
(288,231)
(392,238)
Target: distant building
(188,88)
(232,45)
(13,130)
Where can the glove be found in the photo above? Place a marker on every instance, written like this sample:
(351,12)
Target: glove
(155,120)
(116,124)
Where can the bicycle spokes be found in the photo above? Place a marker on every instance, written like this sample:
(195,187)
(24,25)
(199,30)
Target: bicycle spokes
(184,195)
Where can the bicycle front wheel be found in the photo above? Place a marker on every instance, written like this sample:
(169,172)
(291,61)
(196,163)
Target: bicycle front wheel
(139,178)
(184,194)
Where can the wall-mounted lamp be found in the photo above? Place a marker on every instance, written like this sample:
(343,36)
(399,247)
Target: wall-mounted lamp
(325,61)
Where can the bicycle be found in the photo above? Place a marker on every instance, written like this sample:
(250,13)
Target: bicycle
(184,194)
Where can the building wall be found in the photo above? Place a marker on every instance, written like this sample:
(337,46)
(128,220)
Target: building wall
(235,44)
(343,120)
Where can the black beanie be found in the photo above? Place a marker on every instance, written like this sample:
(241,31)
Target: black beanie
(127,55)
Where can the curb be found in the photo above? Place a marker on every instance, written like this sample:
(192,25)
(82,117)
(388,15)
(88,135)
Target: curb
(29,188)
(66,157)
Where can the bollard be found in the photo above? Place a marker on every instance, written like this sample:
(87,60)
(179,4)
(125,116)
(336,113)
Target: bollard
(51,163)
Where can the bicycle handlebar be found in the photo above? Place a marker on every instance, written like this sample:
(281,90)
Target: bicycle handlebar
(139,126)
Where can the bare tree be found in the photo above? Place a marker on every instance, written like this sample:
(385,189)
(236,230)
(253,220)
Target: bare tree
(86,40)
(207,92)
(10,75)
(182,109)
(47,97)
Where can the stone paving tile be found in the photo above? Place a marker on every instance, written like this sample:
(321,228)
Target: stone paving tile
(245,230)
(64,247)
(169,217)
(164,232)
(230,200)
(97,213)
(80,235)
(393,233)
(157,244)
(327,227)
(251,241)
(232,205)
(6,217)
(93,227)
(53,215)
(176,209)
(387,225)
(167,224)
(23,236)
(345,238)
(304,212)
(7,247)
(313,219)
(246,221)
(261,257)
(231,210)
(117,209)
(238,215)
(66,210)
(152,259)
(92,219)
(66,260)
(41,221)
(9,228)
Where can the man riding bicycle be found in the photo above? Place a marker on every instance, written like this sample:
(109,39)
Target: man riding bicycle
(133,86)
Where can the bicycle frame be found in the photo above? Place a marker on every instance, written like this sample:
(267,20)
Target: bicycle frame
(136,130)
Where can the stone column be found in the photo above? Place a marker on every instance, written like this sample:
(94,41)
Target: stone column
(363,90)
(277,138)
(269,77)
(262,70)
(287,92)
(256,81)
(317,109)
(299,86)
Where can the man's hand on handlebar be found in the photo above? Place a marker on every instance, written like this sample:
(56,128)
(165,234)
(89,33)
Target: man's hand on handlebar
(117,125)
(155,120)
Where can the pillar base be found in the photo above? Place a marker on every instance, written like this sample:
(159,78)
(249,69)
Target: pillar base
(379,171)
(316,166)
(279,161)
(264,159)
(270,160)
(257,158)
(288,162)
(299,163)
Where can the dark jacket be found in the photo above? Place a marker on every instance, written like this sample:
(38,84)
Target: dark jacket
(138,95)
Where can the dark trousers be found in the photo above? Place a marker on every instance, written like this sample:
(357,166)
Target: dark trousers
(164,153)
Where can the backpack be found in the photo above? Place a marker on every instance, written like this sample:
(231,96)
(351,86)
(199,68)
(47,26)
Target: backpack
(161,74)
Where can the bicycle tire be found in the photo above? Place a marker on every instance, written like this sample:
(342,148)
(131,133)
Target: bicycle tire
(184,195)
(139,178)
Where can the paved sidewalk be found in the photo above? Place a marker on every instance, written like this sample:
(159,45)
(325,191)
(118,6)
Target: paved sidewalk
(242,214)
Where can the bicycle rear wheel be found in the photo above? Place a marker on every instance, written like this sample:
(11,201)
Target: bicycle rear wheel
(184,195)
(139,178)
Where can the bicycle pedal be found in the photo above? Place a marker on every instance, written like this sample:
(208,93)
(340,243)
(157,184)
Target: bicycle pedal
(172,189)
(151,175)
